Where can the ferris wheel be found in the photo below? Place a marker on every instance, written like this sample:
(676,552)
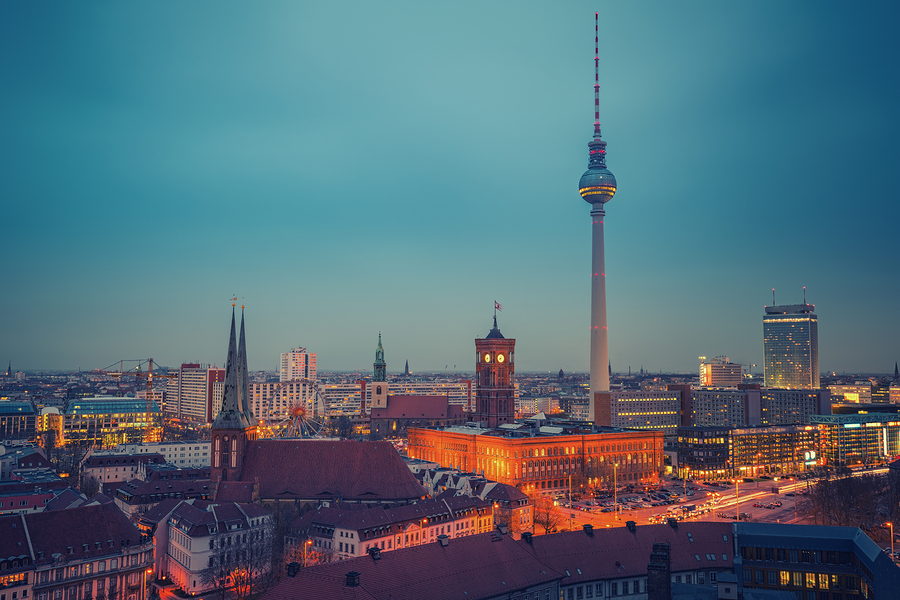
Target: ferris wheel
(302,418)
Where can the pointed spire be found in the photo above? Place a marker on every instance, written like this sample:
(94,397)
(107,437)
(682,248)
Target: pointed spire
(380,367)
(896,371)
(495,331)
(230,415)
(243,376)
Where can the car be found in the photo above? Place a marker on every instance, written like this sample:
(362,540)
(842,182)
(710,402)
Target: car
(790,494)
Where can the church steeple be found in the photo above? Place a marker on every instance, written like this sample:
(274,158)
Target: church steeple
(243,376)
(232,430)
(380,365)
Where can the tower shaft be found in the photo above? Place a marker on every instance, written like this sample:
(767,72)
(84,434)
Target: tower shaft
(599,339)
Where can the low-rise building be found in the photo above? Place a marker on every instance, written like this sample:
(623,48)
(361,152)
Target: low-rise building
(726,452)
(109,467)
(539,455)
(88,552)
(209,544)
(348,531)
(184,454)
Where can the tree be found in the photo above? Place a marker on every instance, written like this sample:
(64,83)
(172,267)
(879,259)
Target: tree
(242,561)
(545,513)
(89,485)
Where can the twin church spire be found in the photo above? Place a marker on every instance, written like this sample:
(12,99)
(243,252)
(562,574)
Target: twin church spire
(235,412)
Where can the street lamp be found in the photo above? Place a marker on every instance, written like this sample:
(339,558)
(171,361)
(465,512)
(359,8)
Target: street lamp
(306,546)
(616,488)
(737,495)
(891,525)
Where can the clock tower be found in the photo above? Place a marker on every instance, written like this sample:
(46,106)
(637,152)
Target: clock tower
(495,399)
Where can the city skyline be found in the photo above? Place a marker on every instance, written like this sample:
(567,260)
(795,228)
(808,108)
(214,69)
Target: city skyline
(353,170)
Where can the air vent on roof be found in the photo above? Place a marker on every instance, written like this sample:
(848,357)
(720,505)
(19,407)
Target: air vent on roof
(443,540)
(588,529)
(631,525)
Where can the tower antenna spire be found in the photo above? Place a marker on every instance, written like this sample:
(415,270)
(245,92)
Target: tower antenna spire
(804,294)
(773,296)
(597,74)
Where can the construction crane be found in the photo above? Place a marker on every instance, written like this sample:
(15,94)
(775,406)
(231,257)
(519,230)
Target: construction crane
(150,376)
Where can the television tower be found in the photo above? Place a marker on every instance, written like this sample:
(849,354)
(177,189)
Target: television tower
(597,186)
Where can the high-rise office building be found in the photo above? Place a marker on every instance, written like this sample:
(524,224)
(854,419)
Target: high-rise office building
(597,186)
(791,342)
(191,393)
(298,364)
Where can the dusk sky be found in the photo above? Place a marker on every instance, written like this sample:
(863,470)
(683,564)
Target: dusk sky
(349,168)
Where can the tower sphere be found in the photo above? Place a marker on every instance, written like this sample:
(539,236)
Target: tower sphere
(597,185)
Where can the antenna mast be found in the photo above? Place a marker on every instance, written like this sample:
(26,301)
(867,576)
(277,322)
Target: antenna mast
(773,296)
(597,74)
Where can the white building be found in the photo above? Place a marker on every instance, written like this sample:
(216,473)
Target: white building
(185,455)
(298,364)
(199,534)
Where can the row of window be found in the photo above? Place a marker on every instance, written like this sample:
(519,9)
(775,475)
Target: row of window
(801,579)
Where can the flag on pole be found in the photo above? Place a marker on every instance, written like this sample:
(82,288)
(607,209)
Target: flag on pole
(497,306)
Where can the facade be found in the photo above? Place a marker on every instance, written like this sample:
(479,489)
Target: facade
(783,407)
(857,393)
(858,439)
(495,399)
(17,420)
(110,467)
(191,394)
(658,410)
(88,552)
(726,452)
(791,347)
(297,364)
(597,186)
(272,401)
(538,457)
(182,454)
(202,535)
(813,562)
(727,407)
(345,534)
(719,372)
(105,421)
(398,413)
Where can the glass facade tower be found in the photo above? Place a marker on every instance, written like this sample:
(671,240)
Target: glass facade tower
(791,345)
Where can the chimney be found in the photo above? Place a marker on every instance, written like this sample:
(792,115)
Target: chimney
(292,569)
(673,523)
(443,540)
(526,535)
(631,525)
(503,529)
(588,529)
(353,579)
(659,579)
(375,553)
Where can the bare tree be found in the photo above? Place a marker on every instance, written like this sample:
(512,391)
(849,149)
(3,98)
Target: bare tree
(89,485)
(545,513)
(242,563)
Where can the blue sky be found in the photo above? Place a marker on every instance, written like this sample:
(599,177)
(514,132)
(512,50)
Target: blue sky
(350,168)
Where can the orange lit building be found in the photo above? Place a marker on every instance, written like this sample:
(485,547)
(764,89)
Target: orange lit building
(539,455)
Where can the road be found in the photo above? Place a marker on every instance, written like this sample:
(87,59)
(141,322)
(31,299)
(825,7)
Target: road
(730,502)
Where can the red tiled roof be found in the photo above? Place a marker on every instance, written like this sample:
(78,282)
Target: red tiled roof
(619,552)
(329,470)
(13,541)
(58,531)
(119,460)
(472,567)
(413,407)
(235,491)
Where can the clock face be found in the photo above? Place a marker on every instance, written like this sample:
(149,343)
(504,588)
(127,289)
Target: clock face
(487,357)
(500,358)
